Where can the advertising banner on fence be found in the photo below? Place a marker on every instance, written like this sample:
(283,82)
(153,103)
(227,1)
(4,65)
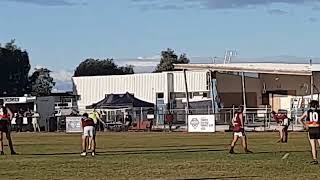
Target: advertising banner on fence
(201,123)
(73,124)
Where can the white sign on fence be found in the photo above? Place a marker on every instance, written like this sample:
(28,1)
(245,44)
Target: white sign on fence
(201,123)
(73,124)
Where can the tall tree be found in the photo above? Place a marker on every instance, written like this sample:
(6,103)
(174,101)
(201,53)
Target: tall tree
(168,59)
(96,67)
(41,82)
(15,67)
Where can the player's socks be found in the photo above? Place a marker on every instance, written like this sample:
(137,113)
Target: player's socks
(231,150)
(13,153)
(314,162)
(248,151)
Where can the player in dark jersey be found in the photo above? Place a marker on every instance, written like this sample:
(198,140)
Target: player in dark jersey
(312,124)
(238,131)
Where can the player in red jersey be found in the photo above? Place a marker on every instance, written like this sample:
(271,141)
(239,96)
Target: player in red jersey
(238,131)
(5,127)
(88,135)
(283,123)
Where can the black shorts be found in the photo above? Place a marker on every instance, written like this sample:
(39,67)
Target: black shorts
(314,132)
(4,127)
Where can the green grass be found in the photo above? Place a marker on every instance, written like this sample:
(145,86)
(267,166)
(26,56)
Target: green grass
(158,156)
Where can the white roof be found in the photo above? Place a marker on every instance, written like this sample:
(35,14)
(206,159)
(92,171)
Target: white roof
(267,68)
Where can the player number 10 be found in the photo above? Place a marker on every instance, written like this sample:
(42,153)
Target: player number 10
(314,116)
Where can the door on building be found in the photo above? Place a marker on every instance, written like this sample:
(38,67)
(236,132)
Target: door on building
(161,107)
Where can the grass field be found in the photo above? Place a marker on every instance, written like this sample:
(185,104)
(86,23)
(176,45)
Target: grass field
(158,156)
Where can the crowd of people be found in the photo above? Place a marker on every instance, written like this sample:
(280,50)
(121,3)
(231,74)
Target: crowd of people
(32,120)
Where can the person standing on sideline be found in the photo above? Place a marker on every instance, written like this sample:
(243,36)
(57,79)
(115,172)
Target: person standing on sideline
(19,120)
(88,135)
(28,115)
(35,121)
(238,131)
(312,124)
(5,127)
(128,121)
(169,120)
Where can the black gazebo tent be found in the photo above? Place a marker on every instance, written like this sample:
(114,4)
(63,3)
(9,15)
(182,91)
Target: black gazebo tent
(120,101)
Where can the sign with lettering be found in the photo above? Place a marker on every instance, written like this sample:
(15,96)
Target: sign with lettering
(201,123)
(73,124)
(9,100)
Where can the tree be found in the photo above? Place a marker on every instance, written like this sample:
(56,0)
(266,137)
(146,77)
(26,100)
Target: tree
(41,82)
(15,67)
(168,59)
(97,67)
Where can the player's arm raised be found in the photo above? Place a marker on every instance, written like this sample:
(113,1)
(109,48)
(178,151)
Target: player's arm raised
(99,119)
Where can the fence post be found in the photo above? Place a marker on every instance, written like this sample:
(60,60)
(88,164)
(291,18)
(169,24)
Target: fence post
(233,110)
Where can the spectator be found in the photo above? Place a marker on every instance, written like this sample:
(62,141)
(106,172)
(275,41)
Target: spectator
(35,121)
(128,121)
(169,120)
(28,115)
(19,121)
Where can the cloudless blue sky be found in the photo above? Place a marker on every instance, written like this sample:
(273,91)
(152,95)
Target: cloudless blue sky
(59,34)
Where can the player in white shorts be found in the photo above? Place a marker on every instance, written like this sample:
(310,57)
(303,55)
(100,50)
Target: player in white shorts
(238,131)
(88,135)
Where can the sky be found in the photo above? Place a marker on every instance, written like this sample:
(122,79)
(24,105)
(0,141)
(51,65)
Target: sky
(59,34)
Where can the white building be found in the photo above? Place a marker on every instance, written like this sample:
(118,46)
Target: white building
(151,87)
(277,86)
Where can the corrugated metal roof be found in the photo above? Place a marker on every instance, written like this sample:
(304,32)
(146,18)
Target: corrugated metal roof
(267,68)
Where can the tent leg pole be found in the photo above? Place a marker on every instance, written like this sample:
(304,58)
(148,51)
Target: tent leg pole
(311,88)
(244,96)
(187,96)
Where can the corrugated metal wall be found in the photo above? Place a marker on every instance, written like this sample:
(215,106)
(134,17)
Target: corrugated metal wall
(197,81)
(143,86)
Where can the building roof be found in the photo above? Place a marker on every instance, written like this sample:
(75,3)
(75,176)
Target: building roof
(67,93)
(265,68)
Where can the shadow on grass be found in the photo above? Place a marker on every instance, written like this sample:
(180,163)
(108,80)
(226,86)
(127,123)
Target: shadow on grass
(161,151)
(229,177)
(135,152)
(129,147)
(282,151)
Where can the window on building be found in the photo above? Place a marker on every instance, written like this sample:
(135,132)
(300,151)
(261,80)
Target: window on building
(180,95)
(160,95)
